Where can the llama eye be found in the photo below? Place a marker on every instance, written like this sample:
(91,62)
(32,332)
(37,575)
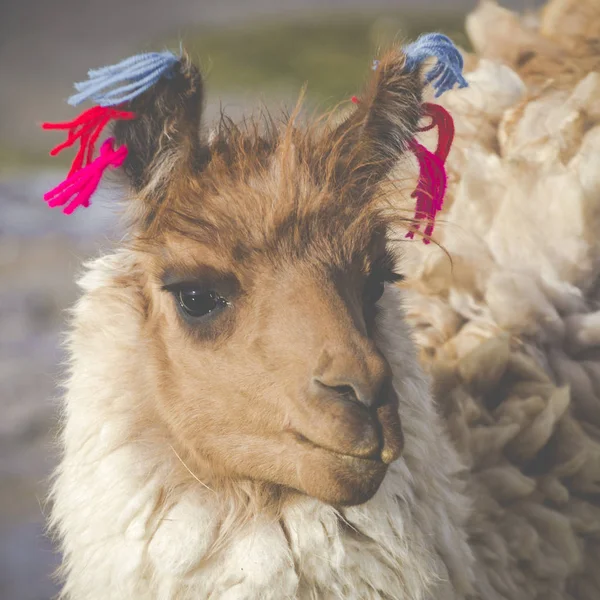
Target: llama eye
(376,281)
(374,289)
(199,303)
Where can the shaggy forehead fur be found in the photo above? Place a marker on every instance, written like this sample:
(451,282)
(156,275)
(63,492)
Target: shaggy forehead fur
(279,196)
(242,211)
(277,189)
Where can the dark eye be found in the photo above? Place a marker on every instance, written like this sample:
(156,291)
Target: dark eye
(376,281)
(199,303)
(374,289)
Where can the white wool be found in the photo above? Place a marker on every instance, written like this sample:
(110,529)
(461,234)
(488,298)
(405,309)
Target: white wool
(544,205)
(583,331)
(493,88)
(586,164)
(477,195)
(585,96)
(526,190)
(498,34)
(518,305)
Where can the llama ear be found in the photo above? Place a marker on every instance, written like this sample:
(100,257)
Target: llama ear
(156,99)
(166,128)
(388,114)
(387,117)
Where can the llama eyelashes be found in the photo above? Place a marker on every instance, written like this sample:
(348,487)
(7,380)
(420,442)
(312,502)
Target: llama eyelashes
(375,284)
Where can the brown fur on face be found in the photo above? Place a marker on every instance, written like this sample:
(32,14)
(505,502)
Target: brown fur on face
(284,383)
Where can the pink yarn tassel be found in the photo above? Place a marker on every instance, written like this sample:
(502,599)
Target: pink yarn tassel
(86,129)
(431,188)
(443,120)
(433,180)
(78,188)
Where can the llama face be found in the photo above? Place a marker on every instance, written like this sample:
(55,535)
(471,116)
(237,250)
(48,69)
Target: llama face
(268,366)
(264,257)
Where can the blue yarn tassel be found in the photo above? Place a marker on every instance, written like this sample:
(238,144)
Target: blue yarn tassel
(448,70)
(115,84)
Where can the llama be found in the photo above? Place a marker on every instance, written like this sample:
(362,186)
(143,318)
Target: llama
(246,415)
(242,384)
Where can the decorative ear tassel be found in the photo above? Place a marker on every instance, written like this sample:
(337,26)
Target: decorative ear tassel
(82,184)
(448,71)
(108,87)
(141,71)
(441,119)
(86,128)
(430,191)
(433,181)
(446,74)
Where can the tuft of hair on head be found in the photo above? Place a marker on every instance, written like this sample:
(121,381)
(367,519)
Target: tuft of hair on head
(171,159)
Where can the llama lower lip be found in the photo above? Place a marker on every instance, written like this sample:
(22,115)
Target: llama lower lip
(375,460)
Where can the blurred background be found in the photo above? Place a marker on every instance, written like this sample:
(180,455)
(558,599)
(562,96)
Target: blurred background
(251,51)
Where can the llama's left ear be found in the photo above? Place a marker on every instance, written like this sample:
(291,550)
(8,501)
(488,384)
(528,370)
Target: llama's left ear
(388,114)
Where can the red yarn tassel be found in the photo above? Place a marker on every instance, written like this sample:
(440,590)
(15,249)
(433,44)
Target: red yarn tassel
(86,128)
(433,180)
(443,120)
(79,186)
(431,189)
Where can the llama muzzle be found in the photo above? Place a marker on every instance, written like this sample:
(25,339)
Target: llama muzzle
(352,415)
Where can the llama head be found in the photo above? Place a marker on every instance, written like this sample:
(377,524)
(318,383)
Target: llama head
(263,254)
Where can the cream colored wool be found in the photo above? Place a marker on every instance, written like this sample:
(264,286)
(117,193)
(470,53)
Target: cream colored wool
(509,329)
(497,494)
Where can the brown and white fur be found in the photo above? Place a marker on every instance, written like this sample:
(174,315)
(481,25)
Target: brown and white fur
(288,447)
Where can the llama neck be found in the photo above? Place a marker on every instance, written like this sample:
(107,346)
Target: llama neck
(128,510)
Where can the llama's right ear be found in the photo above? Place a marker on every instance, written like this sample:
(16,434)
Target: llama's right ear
(166,127)
(156,98)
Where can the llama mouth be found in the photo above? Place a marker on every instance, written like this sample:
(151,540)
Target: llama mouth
(374,459)
(336,478)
